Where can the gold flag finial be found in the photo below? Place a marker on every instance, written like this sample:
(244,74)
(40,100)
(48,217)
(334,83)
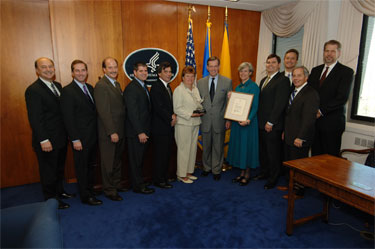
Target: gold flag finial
(191,8)
(226,13)
(209,13)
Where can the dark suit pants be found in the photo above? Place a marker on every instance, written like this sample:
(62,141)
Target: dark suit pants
(327,142)
(111,164)
(84,162)
(270,150)
(162,155)
(136,151)
(51,171)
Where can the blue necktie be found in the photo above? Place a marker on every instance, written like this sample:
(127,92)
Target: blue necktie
(292,95)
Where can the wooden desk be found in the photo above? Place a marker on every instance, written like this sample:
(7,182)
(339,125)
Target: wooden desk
(346,181)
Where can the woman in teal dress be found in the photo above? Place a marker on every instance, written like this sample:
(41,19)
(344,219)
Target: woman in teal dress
(243,151)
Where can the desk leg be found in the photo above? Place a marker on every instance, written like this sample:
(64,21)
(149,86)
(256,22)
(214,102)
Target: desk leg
(290,212)
(326,208)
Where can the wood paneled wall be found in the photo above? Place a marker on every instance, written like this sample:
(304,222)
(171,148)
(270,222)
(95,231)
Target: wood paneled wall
(92,30)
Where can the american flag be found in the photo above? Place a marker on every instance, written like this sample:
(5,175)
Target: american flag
(190,50)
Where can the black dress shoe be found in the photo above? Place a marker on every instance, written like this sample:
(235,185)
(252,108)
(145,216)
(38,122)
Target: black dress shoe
(144,190)
(163,185)
(260,177)
(63,205)
(244,181)
(114,197)
(269,185)
(65,195)
(122,189)
(237,179)
(92,201)
(217,177)
(204,173)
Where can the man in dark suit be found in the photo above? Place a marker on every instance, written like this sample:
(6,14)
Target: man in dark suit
(49,136)
(273,99)
(300,119)
(111,117)
(79,112)
(163,121)
(138,125)
(214,90)
(333,82)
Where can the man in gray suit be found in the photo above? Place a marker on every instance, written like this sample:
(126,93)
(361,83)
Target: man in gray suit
(214,89)
(111,121)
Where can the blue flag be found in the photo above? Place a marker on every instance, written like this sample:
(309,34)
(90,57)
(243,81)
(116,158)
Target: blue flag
(207,48)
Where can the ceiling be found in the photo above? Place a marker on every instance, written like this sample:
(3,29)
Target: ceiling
(255,5)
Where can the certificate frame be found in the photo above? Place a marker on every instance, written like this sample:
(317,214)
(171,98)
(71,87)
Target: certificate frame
(238,106)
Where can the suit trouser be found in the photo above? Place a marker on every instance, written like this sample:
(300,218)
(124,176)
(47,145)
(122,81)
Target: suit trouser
(162,155)
(327,142)
(51,171)
(186,140)
(136,151)
(270,150)
(111,163)
(213,151)
(84,162)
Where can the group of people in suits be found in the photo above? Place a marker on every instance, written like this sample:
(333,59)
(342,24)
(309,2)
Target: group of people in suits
(291,112)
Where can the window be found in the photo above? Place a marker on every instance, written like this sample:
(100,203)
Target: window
(363,105)
(283,44)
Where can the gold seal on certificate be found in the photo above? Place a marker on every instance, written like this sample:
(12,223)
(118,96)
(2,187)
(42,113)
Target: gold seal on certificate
(238,107)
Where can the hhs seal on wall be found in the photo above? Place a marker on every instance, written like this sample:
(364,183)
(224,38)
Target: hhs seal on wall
(152,57)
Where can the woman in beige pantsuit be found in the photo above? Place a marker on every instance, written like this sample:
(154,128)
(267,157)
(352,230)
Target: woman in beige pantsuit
(186,100)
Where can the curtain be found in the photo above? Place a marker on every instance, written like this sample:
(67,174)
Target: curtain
(349,31)
(366,7)
(264,49)
(287,20)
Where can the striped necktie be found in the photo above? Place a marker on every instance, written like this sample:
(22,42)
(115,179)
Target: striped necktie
(291,98)
(266,82)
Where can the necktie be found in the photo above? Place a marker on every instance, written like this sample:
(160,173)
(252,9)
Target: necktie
(292,95)
(148,96)
(323,76)
(266,82)
(117,85)
(169,91)
(290,77)
(54,90)
(87,93)
(212,89)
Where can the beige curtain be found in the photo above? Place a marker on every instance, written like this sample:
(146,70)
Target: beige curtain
(349,31)
(366,7)
(287,20)
(264,49)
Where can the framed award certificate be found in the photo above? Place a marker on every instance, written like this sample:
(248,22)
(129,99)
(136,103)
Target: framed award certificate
(238,106)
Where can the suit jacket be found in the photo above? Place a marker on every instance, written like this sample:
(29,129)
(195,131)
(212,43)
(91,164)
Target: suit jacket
(162,109)
(45,116)
(79,114)
(273,100)
(300,117)
(215,110)
(138,106)
(333,93)
(184,105)
(110,107)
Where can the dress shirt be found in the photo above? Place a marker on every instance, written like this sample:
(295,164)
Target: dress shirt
(215,82)
(111,80)
(81,86)
(298,89)
(329,69)
(289,76)
(48,83)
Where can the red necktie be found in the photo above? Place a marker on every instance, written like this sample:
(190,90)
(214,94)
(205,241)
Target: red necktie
(323,77)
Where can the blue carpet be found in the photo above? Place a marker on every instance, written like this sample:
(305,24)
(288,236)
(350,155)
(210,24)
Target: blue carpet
(205,214)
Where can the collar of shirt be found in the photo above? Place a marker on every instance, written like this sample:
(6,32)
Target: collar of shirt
(165,83)
(298,89)
(48,84)
(140,82)
(81,86)
(273,75)
(330,67)
(110,80)
(215,81)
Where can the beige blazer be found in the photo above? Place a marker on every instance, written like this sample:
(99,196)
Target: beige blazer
(184,103)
